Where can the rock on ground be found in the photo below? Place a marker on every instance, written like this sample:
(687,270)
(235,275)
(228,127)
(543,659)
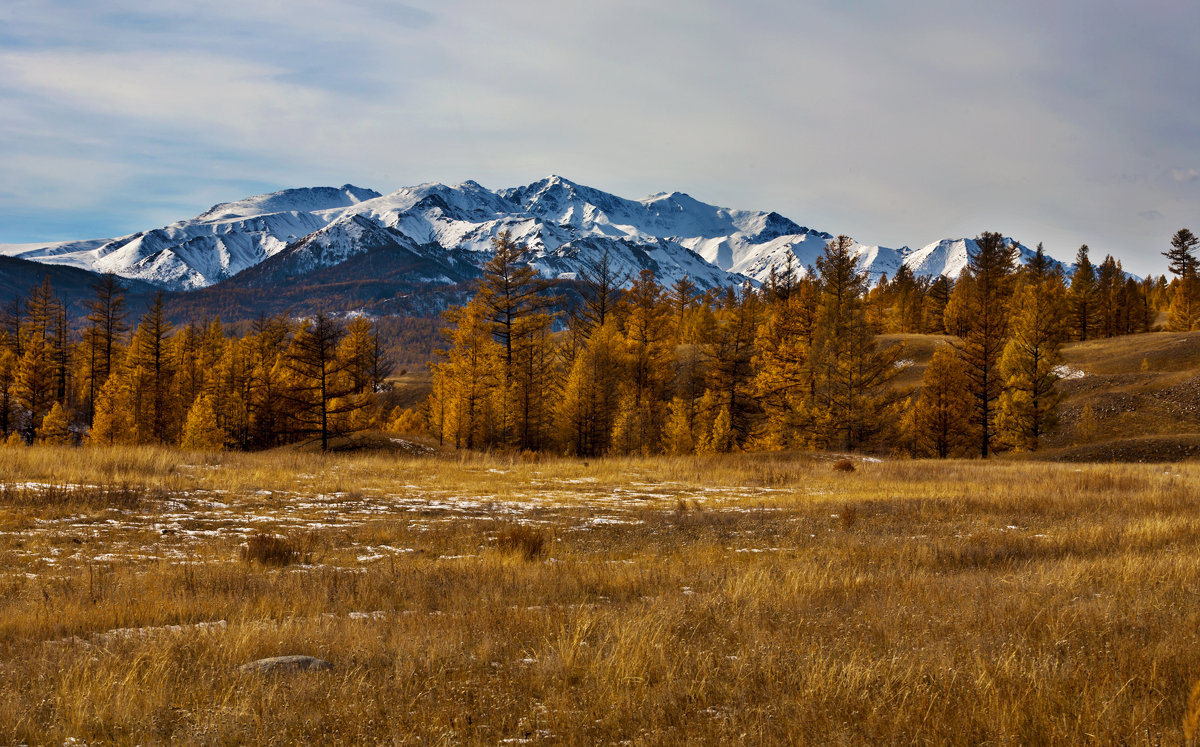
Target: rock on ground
(284,664)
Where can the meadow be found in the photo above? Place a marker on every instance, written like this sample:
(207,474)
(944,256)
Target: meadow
(489,599)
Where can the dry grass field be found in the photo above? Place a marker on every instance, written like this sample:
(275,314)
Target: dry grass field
(482,599)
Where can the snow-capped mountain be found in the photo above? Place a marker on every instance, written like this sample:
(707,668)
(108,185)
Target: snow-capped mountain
(440,231)
(218,243)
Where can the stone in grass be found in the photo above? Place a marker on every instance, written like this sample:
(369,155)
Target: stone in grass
(287,664)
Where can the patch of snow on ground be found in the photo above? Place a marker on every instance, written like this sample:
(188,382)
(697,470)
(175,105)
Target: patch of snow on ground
(1067,373)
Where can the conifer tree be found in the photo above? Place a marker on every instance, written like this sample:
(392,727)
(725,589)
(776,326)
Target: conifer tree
(105,326)
(317,388)
(785,380)
(152,376)
(54,430)
(935,305)
(34,390)
(201,431)
(265,371)
(941,417)
(8,380)
(518,305)
(1182,254)
(1184,311)
(854,403)
(1082,297)
(990,268)
(601,284)
(1109,292)
(465,378)
(1028,407)
(678,436)
(587,409)
(113,422)
(646,316)
(729,357)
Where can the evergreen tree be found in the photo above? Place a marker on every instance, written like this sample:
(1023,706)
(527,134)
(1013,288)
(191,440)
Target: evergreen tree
(1184,311)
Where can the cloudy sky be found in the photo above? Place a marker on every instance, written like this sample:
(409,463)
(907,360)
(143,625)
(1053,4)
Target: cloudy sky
(1065,122)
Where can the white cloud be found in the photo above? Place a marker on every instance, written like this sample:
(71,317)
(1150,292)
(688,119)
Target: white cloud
(897,123)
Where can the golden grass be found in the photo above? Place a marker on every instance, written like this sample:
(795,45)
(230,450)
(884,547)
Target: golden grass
(764,598)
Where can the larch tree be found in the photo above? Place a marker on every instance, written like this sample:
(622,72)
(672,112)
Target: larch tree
(34,386)
(1028,407)
(940,421)
(105,327)
(1184,311)
(201,431)
(151,370)
(8,380)
(990,267)
(518,306)
(730,356)
(785,380)
(1082,297)
(461,411)
(317,388)
(935,305)
(55,430)
(854,403)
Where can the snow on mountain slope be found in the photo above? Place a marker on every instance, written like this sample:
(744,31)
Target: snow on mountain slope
(306,200)
(564,226)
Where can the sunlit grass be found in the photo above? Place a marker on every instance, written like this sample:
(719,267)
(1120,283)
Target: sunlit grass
(486,598)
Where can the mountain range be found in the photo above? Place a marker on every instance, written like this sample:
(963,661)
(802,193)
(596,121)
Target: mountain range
(435,234)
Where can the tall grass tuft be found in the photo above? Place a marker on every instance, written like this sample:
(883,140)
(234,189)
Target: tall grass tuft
(1191,719)
(270,549)
(521,539)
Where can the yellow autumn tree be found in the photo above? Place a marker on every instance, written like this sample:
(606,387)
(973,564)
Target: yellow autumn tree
(54,430)
(201,431)
(1028,406)
(112,422)
(940,422)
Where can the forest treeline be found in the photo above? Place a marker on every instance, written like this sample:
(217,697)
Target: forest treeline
(628,367)
(795,364)
(111,380)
